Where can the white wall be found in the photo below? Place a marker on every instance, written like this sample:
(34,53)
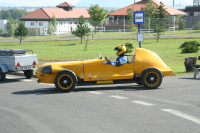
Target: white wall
(62,26)
(3,25)
(196,13)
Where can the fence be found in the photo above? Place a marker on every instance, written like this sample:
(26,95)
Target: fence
(121,24)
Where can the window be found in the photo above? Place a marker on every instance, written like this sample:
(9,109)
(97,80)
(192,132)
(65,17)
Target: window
(75,22)
(70,22)
(32,23)
(40,23)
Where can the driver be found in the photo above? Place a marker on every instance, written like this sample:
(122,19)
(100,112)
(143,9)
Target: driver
(121,59)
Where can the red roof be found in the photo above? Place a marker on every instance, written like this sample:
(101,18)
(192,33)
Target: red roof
(47,13)
(65,4)
(141,4)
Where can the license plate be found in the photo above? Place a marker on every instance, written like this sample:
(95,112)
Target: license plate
(24,67)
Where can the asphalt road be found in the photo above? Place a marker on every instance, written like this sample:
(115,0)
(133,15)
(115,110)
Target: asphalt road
(29,107)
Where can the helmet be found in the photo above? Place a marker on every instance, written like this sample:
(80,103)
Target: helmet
(120,49)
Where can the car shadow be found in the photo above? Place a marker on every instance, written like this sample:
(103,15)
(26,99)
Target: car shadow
(6,81)
(37,91)
(116,87)
(190,78)
(44,91)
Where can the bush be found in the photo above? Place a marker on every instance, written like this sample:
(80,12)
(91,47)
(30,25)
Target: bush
(129,47)
(190,47)
(181,24)
(196,26)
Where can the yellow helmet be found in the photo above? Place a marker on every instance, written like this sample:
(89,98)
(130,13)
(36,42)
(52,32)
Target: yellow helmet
(120,49)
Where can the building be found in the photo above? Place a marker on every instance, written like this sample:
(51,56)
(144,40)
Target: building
(66,16)
(193,10)
(121,14)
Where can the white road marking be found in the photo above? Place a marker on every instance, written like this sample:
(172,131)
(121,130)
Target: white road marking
(95,92)
(143,103)
(27,80)
(183,115)
(118,97)
(9,77)
(47,84)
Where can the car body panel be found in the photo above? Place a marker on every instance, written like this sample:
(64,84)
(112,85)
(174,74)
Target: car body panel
(145,58)
(96,70)
(75,66)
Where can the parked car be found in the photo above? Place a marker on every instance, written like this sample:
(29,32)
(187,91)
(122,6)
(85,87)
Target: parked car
(145,68)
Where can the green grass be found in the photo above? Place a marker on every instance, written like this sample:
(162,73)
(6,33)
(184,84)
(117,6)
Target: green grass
(167,49)
(115,34)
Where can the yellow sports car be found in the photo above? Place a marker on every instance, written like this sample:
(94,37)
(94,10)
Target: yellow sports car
(145,68)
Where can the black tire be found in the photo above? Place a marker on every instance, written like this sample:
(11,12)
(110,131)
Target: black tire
(65,81)
(151,78)
(2,75)
(28,74)
(138,82)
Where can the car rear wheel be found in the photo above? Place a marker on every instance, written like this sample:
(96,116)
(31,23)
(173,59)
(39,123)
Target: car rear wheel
(151,78)
(2,75)
(65,81)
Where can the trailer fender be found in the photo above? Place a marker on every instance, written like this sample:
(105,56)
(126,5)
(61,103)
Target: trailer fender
(3,68)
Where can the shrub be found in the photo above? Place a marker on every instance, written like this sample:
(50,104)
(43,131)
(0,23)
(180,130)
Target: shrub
(181,24)
(196,26)
(129,47)
(190,47)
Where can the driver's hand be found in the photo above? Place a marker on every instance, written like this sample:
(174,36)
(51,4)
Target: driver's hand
(108,61)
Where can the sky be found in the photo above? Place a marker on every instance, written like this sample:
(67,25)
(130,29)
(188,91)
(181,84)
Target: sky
(39,2)
(74,2)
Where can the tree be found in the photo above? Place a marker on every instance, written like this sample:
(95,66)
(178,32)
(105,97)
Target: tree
(13,13)
(130,19)
(21,32)
(161,22)
(196,26)
(97,15)
(82,28)
(1,31)
(150,12)
(11,26)
(52,27)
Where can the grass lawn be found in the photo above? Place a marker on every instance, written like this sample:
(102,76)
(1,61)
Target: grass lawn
(167,49)
(120,33)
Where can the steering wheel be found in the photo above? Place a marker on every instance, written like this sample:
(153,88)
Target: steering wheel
(100,56)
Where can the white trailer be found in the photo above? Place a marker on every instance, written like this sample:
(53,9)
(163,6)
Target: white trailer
(17,60)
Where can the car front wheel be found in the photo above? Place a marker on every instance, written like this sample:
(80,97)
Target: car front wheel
(151,78)
(65,81)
